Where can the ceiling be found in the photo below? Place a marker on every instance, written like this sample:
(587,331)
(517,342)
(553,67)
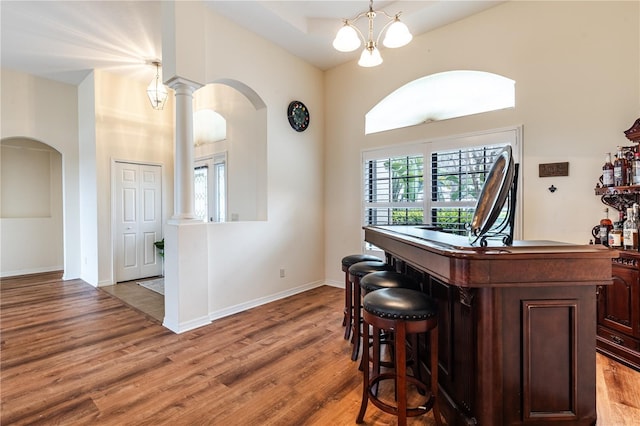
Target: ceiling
(64,40)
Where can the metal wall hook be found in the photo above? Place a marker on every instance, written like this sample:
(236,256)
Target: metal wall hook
(552,189)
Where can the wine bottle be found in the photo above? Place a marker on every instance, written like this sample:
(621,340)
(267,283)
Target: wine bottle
(630,231)
(636,224)
(615,236)
(620,169)
(605,227)
(636,168)
(607,171)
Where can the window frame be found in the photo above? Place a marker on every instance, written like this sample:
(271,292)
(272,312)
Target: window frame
(390,205)
(493,137)
(212,163)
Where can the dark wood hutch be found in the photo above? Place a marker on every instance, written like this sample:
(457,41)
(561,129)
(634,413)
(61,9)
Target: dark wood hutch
(618,333)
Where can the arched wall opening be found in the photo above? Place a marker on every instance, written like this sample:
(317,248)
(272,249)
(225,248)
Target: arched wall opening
(244,145)
(31,207)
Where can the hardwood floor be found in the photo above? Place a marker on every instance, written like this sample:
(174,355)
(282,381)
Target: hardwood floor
(73,355)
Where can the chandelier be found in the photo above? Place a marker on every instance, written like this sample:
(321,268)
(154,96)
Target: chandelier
(349,37)
(157,91)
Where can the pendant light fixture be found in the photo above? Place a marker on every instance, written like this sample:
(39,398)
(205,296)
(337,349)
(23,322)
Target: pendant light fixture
(349,37)
(156,90)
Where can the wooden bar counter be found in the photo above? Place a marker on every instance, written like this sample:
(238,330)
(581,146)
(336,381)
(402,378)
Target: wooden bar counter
(517,324)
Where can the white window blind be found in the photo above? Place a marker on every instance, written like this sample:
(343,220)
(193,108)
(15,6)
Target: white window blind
(395,178)
(457,177)
(394,190)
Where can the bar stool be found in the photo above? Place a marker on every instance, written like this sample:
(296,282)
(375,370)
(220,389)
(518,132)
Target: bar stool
(387,279)
(405,312)
(356,272)
(347,261)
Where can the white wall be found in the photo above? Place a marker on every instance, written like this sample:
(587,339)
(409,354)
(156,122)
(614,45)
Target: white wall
(245,257)
(127,129)
(245,147)
(576,67)
(31,220)
(88,179)
(45,111)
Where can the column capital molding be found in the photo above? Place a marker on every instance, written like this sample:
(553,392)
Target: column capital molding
(177,83)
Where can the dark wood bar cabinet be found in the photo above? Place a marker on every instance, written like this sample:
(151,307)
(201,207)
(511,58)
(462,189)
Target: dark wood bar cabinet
(619,312)
(517,324)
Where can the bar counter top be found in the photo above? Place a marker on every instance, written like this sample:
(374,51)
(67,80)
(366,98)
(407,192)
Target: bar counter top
(454,259)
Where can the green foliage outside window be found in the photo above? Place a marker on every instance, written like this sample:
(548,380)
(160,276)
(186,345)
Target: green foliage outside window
(453,219)
(407,181)
(407,216)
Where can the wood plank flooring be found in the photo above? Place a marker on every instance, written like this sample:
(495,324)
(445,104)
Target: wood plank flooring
(75,355)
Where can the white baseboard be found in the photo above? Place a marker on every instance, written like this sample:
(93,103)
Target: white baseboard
(221,313)
(186,326)
(30,271)
(338,284)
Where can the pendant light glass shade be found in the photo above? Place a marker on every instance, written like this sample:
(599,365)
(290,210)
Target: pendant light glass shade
(370,58)
(157,91)
(347,39)
(397,35)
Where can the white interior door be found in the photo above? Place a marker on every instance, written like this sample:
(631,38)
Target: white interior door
(138,220)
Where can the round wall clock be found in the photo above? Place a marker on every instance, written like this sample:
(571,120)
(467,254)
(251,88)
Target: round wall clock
(298,115)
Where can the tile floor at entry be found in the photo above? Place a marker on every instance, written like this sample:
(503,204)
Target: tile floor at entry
(147,301)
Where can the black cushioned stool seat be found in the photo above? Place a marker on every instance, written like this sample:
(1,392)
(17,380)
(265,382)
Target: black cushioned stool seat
(404,311)
(387,279)
(347,261)
(356,272)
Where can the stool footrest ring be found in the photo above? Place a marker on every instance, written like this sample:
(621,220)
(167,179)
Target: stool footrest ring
(391,409)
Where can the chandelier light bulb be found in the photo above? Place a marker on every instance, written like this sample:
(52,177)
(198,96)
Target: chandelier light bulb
(397,35)
(370,57)
(347,39)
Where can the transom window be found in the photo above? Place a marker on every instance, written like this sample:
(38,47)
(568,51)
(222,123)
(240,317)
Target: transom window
(441,96)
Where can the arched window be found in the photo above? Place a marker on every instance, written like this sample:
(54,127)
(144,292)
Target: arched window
(208,126)
(439,97)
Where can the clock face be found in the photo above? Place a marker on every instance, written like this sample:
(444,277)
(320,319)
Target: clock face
(298,115)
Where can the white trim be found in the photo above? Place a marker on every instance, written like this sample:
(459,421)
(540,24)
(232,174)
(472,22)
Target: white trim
(262,301)
(187,325)
(334,283)
(30,271)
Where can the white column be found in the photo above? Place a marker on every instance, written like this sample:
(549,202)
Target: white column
(184,200)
